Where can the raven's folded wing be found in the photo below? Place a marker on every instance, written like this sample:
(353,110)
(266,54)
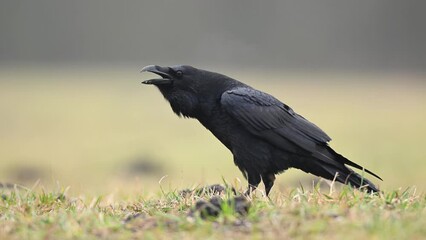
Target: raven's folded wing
(259,112)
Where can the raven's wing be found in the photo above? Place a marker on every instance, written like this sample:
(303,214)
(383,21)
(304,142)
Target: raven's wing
(260,112)
(268,118)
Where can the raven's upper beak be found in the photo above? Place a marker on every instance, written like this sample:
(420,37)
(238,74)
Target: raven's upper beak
(162,71)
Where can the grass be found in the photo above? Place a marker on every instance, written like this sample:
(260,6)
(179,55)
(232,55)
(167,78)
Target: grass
(87,129)
(295,214)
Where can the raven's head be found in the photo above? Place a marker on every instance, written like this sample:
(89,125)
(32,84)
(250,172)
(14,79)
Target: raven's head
(185,86)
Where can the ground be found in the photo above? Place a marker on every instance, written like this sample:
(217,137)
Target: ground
(296,214)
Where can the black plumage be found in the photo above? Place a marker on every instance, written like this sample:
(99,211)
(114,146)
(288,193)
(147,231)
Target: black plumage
(265,136)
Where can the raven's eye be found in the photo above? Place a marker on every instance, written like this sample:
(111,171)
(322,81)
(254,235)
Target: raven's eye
(179,73)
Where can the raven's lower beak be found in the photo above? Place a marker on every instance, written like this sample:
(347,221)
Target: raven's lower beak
(162,71)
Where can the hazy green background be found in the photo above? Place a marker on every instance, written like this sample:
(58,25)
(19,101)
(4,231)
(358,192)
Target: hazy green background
(73,111)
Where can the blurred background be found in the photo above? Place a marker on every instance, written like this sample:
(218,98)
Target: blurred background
(73,111)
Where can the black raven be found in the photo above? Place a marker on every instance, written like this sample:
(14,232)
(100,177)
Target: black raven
(265,136)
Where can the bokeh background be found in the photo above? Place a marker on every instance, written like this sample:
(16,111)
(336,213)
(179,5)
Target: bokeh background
(73,111)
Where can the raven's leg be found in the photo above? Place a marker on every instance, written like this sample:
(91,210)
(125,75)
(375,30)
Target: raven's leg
(268,180)
(253,181)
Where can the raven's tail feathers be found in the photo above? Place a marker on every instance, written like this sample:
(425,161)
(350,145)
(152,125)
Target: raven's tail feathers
(335,171)
(344,160)
(347,176)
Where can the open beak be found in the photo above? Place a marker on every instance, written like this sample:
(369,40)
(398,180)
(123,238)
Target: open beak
(161,71)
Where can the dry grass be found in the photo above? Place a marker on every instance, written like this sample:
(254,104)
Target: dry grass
(297,214)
